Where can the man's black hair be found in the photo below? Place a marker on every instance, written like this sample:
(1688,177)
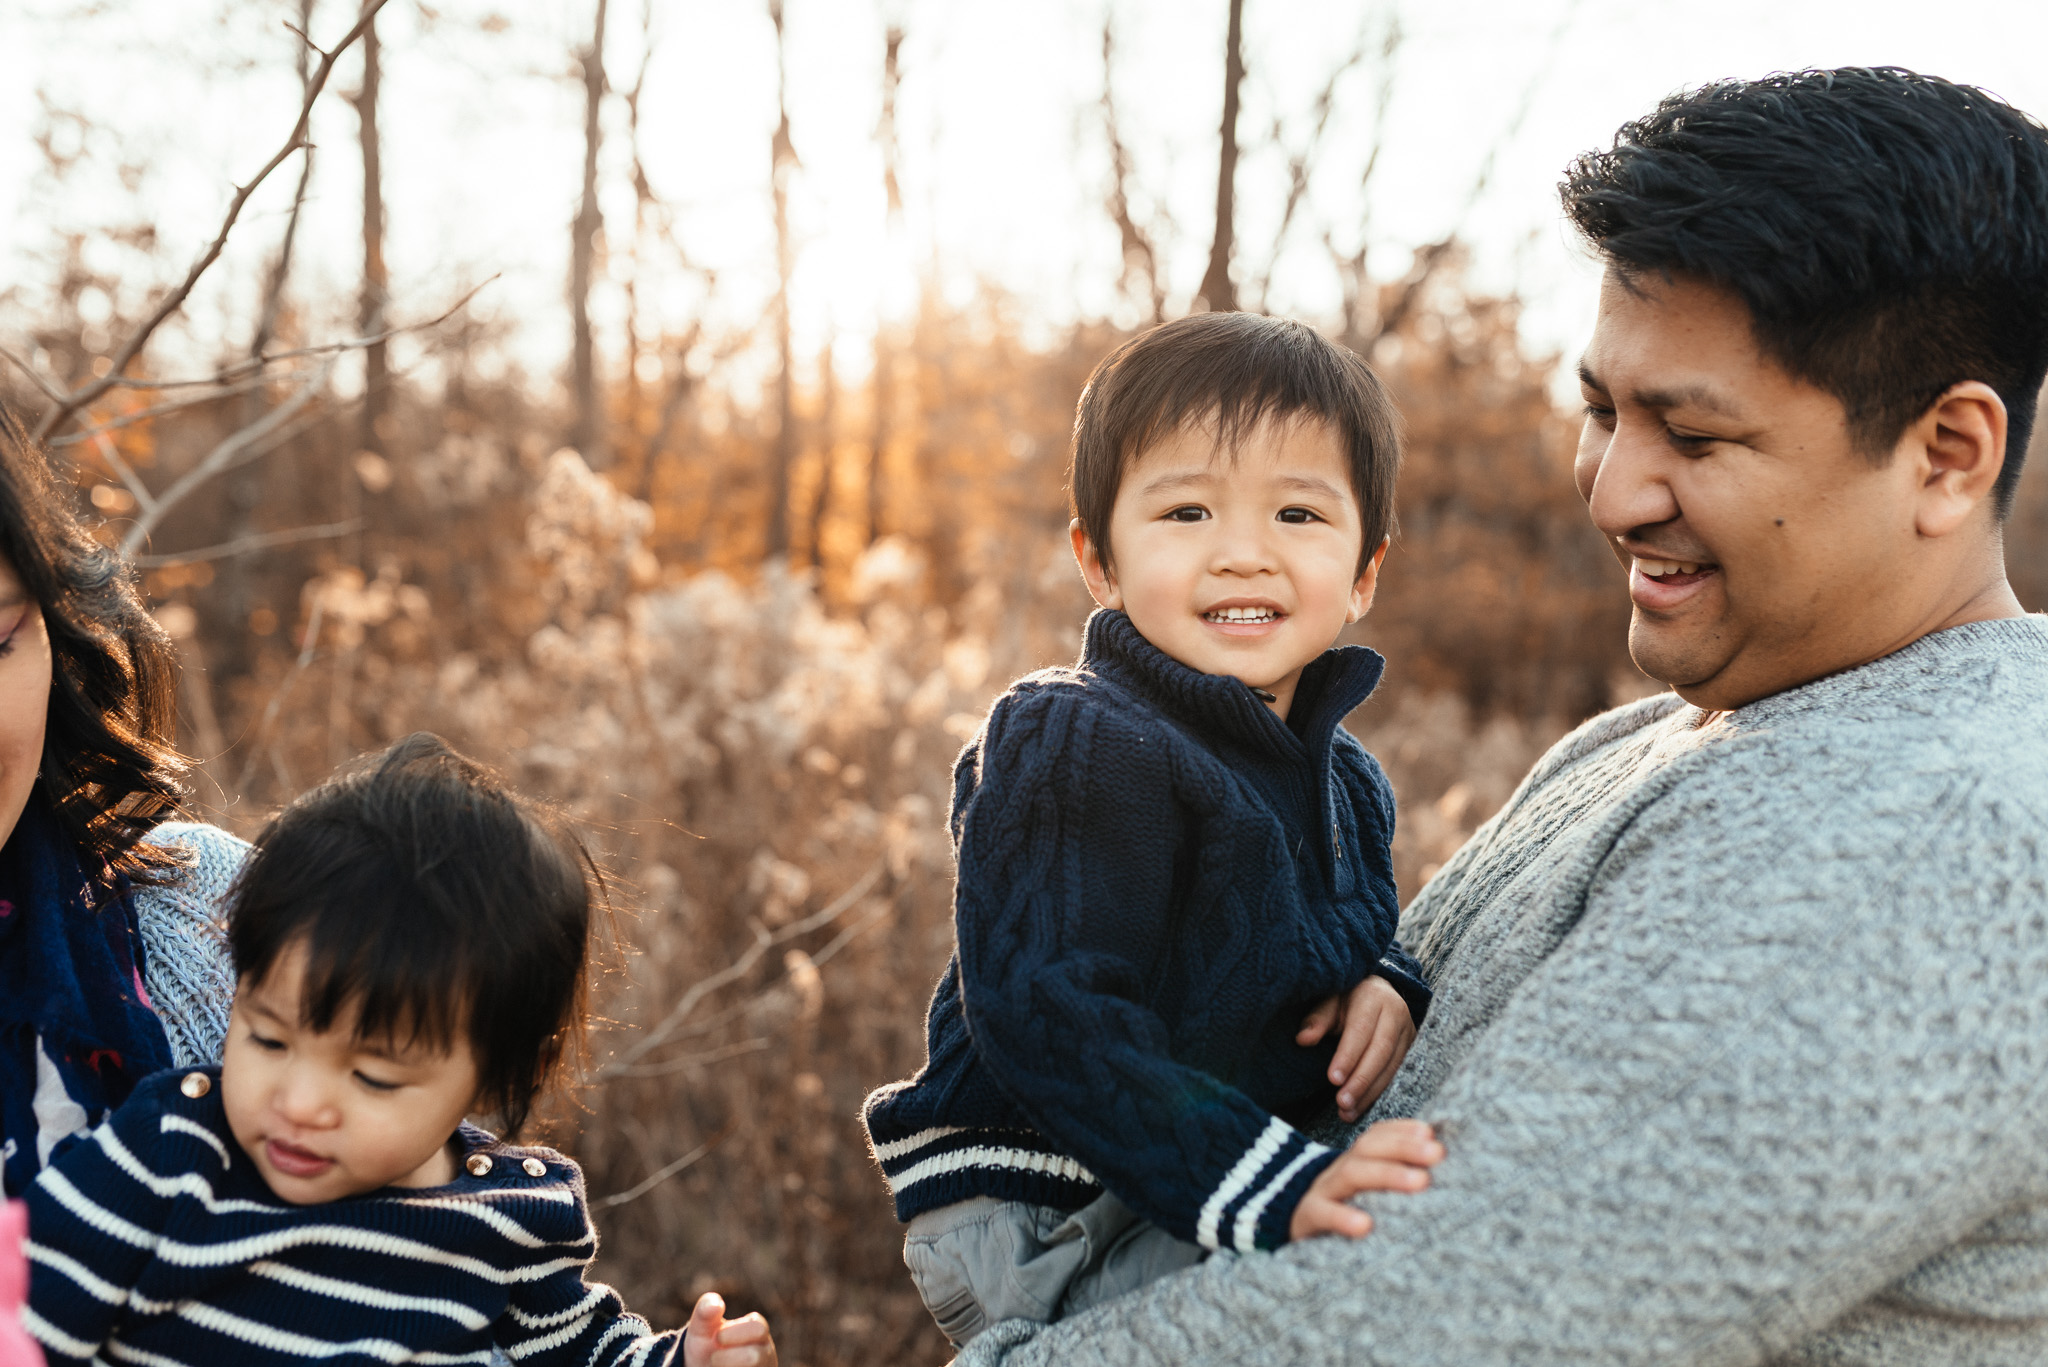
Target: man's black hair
(434,905)
(1888,231)
(1233,370)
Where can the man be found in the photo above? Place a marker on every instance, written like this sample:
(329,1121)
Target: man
(1739,1048)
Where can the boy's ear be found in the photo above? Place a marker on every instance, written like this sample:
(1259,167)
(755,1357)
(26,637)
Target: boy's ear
(1368,583)
(1101,583)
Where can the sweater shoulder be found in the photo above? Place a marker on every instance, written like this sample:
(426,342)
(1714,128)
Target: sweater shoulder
(190,979)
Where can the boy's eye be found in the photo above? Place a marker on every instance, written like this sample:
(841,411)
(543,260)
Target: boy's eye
(1298,516)
(265,1042)
(376,1084)
(1188,512)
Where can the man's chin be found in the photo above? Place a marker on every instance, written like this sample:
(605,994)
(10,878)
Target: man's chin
(1679,660)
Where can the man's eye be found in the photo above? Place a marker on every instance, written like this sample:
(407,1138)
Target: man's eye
(1601,415)
(1188,512)
(1687,444)
(1298,516)
(376,1084)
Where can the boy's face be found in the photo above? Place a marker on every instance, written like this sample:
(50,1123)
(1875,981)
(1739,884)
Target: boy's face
(324,1115)
(1241,563)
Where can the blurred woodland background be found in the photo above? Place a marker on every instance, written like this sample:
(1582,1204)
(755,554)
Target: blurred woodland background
(738,606)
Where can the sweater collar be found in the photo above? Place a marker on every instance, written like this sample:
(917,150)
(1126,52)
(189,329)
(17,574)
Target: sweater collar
(1218,705)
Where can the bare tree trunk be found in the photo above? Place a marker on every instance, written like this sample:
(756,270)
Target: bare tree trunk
(885,133)
(1217,293)
(587,435)
(828,456)
(1141,260)
(782,160)
(376,279)
(245,488)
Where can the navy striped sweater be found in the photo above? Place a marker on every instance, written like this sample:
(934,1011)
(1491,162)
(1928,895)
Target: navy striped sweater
(1158,878)
(156,1243)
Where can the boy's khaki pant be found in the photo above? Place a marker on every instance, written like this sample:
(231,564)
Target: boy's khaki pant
(985,1260)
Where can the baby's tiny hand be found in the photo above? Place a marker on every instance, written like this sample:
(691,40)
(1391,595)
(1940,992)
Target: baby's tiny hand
(714,1341)
(1394,1155)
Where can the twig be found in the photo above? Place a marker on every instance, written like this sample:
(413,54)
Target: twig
(244,367)
(649,1183)
(227,391)
(688,1061)
(222,456)
(50,391)
(144,500)
(175,300)
(704,987)
(270,709)
(256,541)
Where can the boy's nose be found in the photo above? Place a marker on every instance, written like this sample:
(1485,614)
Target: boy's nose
(304,1100)
(1243,548)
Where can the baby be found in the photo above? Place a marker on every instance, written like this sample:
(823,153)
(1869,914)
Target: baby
(1175,903)
(411,941)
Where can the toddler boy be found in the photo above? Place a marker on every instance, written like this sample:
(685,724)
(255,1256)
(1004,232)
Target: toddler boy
(1175,906)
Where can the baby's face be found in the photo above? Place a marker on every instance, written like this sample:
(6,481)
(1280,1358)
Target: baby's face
(324,1115)
(1240,563)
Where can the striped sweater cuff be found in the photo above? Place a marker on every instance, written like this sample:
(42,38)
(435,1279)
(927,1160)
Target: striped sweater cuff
(948,1163)
(1253,1205)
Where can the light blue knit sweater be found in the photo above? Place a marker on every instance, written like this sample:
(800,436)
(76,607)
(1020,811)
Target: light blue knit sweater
(185,953)
(1739,1050)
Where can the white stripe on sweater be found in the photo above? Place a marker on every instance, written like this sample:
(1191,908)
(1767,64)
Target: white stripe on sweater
(357,1294)
(990,1156)
(141,1357)
(897,1148)
(504,1224)
(178,1123)
(540,1343)
(87,1280)
(262,1245)
(183,1184)
(526,1321)
(1238,1178)
(1246,1231)
(275,1340)
(50,1336)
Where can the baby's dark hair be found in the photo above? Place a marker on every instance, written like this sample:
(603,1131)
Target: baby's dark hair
(437,904)
(1232,369)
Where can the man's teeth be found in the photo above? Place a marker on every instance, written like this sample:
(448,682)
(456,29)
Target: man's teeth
(1241,615)
(1658,568)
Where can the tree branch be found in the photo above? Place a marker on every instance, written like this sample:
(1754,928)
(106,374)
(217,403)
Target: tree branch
(256,541)
(174,301)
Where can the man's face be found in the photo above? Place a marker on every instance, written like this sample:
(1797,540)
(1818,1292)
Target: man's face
(1764,550)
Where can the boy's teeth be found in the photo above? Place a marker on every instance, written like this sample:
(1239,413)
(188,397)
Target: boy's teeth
(1241,615)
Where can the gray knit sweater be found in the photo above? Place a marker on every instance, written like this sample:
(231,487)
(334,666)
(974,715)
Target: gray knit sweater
(1739,1051)
(184,952)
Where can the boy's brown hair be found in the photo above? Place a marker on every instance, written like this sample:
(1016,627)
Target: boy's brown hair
(1233,370)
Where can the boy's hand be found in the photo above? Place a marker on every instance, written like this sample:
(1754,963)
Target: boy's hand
(1377,1031)
(1394,1155)
(714,1341)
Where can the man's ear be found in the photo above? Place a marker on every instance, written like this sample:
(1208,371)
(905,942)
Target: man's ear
(1101,582)
(1957,448)
(1368,583)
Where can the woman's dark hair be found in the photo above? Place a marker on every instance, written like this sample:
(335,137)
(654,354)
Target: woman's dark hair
(109,764)
(1887,230)
(435,904)
(1233,369)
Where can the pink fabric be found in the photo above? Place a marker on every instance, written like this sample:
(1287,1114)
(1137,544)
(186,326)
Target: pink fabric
(17,1349)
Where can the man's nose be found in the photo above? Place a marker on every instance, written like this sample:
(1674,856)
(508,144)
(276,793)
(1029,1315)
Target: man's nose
(1624,478)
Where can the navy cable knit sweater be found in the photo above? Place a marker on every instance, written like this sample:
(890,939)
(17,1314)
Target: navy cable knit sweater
(1158,878)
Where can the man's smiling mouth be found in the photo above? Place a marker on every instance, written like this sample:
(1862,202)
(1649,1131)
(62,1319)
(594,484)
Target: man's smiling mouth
(1673,571)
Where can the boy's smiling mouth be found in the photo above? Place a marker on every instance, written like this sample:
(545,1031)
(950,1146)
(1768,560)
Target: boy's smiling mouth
(1242,614)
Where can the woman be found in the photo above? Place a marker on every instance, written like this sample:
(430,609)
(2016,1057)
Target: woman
(111,965)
